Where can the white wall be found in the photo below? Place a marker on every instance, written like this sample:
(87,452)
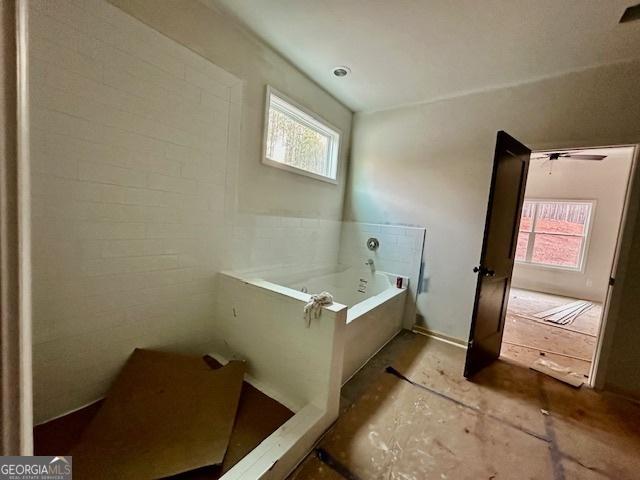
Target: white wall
(142,154)
(603,181)
(261,189)
(430,165)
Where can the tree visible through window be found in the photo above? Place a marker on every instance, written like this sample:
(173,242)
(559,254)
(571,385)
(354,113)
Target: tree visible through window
(553,233)
(298,141)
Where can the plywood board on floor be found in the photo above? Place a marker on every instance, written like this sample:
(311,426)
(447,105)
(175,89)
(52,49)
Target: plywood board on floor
(528,303)
(499,389)
(526,356)
(403,432)
(599,433)
(548,338)
(258,416)
(572,470)
(509,422)
(164,414)
(525,337)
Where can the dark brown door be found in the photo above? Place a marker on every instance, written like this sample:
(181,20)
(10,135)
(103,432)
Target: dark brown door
(510,167)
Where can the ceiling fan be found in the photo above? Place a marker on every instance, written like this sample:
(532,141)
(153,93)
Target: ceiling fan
(551,157)
(570,155)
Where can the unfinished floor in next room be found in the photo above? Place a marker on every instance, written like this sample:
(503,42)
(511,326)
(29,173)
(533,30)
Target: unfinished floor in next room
(420,419)
(561,329)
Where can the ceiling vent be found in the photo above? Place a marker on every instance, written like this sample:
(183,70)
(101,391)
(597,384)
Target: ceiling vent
(631,14)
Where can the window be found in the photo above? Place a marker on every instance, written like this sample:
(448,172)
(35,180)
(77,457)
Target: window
(554,233)
(298,140)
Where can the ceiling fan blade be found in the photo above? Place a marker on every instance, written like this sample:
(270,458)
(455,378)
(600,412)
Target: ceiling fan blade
(586,157)
(543,157)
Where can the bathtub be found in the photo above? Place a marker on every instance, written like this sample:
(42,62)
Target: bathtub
(259,318)
(375,304)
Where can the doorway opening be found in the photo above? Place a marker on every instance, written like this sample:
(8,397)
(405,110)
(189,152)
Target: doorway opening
(567,241)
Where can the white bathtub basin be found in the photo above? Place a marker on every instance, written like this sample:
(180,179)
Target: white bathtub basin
(375,305)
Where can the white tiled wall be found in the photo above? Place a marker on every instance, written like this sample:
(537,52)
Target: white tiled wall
(135,143)
(276,241)
(133,139)
(400,252)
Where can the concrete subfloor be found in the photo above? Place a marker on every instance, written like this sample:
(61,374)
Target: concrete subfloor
(527,338)
(508,423)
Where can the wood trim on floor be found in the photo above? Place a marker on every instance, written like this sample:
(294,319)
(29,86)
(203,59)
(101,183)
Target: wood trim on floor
(439,336)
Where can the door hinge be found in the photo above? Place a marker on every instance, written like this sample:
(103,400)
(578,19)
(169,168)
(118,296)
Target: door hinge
(612,281)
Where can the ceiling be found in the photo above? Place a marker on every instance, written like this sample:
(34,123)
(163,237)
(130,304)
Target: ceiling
(613,155)
(409,51)
(624,151)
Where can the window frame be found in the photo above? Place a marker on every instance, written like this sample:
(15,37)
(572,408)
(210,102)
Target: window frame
(315,122)
(532,234)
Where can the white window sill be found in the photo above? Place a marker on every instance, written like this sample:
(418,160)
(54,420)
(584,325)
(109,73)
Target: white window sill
(299,171)
(541,266)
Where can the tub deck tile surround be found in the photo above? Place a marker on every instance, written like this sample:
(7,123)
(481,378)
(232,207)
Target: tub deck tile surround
(400,251)
(299,366)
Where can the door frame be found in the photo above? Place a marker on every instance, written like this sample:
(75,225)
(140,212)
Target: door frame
(600,357)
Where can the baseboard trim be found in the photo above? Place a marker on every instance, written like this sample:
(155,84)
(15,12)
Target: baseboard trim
(456,342)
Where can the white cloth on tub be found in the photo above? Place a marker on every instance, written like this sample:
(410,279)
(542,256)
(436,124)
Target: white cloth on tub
(314,307)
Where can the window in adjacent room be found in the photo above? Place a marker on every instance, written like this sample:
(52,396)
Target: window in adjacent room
(298,140)
(554,233)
